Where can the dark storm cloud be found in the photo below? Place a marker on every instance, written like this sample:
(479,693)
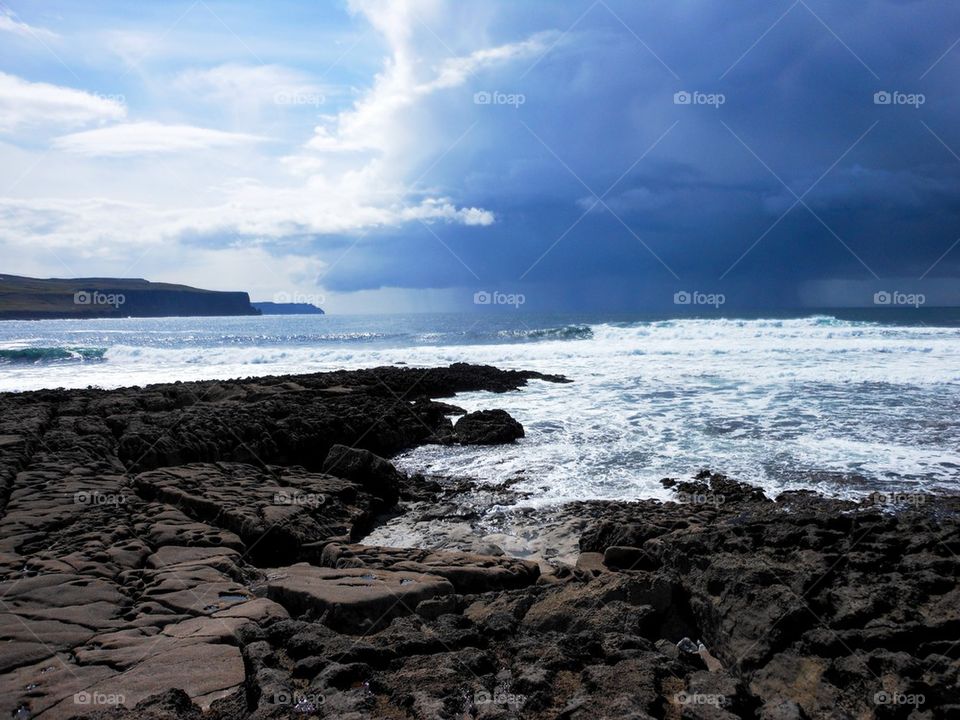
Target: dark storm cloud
(872,187)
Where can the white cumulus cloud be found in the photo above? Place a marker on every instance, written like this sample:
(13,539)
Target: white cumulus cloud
(371,124)
(141,138)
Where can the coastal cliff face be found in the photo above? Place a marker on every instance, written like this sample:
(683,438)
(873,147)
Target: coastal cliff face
(23,298)
(194,550)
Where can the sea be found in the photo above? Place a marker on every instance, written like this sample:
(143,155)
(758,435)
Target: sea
(842,402)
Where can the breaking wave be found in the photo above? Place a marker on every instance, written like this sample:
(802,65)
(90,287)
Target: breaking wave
(50,354)
(843,406)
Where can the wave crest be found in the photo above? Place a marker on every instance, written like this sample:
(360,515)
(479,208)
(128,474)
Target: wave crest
(564,332)
(51,354)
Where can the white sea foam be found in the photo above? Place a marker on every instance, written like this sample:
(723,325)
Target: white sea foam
(844,407)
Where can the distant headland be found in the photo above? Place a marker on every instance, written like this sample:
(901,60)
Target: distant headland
(25,298)
(275,308)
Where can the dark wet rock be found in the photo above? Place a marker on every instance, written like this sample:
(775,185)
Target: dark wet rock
(630,558)
(292,420)
(487,427)
(273,511)
(376,475)
(793,596)
(713,488)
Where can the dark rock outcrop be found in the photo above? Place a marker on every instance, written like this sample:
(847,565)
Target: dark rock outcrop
(190,550)
(821,608)
(487,427)
(370,471)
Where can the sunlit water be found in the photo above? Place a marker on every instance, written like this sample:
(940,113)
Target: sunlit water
(842,406)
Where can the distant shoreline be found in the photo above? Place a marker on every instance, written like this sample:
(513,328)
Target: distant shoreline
(929,316)
(25,298)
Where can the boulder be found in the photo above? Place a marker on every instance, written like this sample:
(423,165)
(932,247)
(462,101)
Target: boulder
(487,427)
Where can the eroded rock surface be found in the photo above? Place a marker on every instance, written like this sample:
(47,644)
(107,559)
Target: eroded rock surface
(134,524)
(192,551)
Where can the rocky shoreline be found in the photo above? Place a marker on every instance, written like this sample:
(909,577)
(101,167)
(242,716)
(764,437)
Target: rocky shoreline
(192,550)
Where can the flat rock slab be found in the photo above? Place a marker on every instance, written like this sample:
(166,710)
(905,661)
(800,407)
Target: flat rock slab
(468,573)
(352,600)
(205,671)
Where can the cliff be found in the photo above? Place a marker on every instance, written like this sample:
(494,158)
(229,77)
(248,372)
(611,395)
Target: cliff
(23,298)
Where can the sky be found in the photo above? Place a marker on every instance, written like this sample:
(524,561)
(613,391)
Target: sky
(426,155)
